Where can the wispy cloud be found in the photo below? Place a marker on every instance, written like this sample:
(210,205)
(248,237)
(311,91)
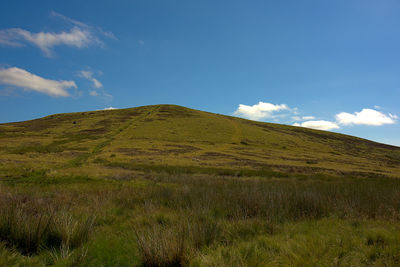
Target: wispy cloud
(308,118)
(46,40)
(304,118)
(319,125)
(259,111)
(80,35)
(80,24)
(89,75)
(98,90)
(67,19)
(30,82)
(366,117)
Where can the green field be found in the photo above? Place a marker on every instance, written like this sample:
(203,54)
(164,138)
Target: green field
(169,186)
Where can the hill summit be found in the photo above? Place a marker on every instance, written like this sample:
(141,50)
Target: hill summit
(174,138)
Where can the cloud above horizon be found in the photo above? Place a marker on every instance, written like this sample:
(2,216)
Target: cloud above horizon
(319,125)
(20,78)
(79,36)
(262,110)
(278,112)
(97,86)
(369,117)
(308,118)
(366,116)
(89,76)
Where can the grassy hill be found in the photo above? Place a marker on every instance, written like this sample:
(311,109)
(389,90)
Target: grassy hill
(174,138)
(166,185)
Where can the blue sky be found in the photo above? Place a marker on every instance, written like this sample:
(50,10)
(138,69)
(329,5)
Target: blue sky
(330,65)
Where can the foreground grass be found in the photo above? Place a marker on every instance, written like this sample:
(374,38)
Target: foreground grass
(163,219)
(169,186)
(324,242)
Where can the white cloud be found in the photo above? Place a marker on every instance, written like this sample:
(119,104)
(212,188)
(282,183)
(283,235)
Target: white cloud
(304,118)
(89,75)
(110,108)
(308,117)
(365,117)
(76,37)
(259,111)
(98,90)
(80,36)
(279,113)
(9,37)
(319,125)
(23,79)
(96,83)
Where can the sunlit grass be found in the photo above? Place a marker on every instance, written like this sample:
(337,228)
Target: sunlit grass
(183,219)
(169,186)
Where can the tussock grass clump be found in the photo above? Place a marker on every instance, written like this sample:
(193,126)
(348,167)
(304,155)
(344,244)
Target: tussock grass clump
(26,232)
(175,244)
(162,246)
(28,226)
(67,232)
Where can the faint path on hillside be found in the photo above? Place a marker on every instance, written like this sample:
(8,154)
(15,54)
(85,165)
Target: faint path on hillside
(78,161)
(237,134)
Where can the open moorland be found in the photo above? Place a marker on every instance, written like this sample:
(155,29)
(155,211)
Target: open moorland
(166,185)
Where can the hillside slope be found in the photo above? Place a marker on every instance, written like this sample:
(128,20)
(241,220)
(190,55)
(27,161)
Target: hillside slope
(115,142)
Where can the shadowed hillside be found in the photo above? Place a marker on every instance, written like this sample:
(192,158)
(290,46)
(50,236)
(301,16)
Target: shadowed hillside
(177,139)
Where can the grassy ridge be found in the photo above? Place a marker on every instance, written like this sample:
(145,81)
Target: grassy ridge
(177,136)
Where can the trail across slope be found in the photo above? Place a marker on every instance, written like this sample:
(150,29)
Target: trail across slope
(174,136)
